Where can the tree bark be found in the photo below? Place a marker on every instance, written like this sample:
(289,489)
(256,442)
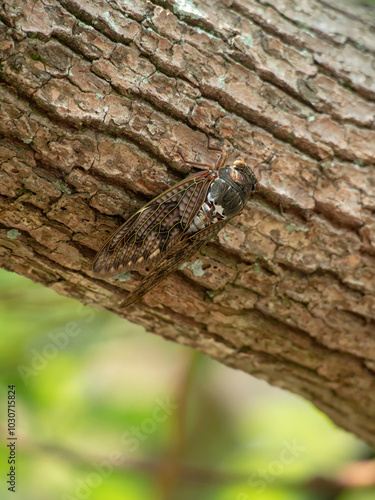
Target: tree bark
(97,98)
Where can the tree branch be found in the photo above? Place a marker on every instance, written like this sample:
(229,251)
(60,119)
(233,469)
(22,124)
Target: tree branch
(96,100)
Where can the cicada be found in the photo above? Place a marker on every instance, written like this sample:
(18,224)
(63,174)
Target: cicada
(176,224)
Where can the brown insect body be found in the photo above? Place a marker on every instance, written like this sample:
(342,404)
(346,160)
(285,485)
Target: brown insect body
(172,227)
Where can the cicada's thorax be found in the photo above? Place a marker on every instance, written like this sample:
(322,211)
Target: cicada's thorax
(226,196)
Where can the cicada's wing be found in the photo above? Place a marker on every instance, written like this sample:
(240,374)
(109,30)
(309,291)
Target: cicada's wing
(173,259)
(154,229)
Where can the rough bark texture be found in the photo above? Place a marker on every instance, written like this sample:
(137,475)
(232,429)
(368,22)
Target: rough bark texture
(96,98)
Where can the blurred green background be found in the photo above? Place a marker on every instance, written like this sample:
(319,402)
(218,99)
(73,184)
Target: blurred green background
(107,411)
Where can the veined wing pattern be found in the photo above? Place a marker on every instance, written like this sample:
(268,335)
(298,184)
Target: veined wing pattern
(154,229)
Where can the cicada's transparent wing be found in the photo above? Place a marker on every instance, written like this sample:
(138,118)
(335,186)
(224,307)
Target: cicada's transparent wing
(155,229)
(172,259)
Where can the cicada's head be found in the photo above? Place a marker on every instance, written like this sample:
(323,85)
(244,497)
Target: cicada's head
(243,176)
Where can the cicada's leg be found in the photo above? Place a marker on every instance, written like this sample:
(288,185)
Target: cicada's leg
(212,148)
(196,163)
(267,169)
(220,162)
